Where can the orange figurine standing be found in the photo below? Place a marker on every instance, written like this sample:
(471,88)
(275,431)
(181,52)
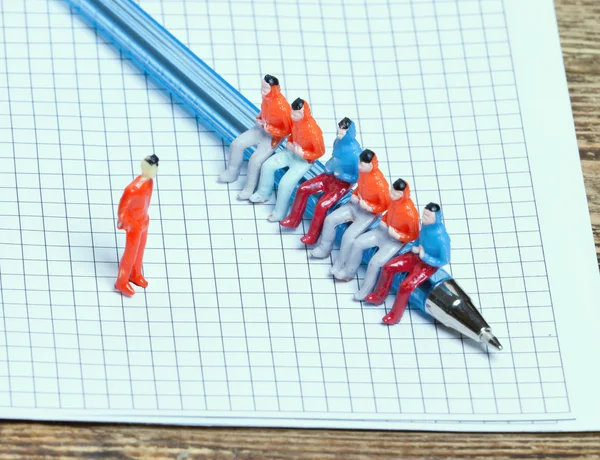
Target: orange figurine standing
(133,218)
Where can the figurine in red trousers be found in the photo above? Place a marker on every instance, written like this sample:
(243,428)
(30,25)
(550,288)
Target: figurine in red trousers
(429,252)
(341,172)
(133,218)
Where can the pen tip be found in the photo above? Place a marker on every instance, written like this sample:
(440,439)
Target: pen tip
(490,339)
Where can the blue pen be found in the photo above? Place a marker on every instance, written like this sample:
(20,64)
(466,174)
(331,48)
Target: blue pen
(221,108)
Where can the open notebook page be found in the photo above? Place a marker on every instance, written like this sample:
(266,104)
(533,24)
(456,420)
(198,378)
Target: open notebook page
(465,100)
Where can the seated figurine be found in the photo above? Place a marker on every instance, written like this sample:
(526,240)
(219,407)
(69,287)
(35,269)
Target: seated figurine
(427,254)
(341,172)
(399,225)
(368,201)
(305,145)
(273,124)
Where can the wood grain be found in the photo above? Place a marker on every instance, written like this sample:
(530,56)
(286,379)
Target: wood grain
(579,27)
(579,23)
(35,440)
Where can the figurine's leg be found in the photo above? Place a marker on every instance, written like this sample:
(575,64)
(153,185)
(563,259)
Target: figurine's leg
(327,201)
(263,151)
(417,276)
(337,217)
(136,276)
(132,242)
(236,153)
(402,263)
(361,222)
(364,241)
(305,190)
(287,184)
(388,248)
(267,175)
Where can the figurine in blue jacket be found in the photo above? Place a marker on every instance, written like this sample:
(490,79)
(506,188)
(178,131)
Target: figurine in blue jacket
(341,172)
(430,251)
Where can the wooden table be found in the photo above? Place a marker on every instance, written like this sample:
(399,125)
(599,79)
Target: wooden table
(579,22)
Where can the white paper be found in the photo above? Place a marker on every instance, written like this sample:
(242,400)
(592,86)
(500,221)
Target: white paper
(465,100)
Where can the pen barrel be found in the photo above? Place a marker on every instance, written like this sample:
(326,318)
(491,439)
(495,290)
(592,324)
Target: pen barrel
(217,104)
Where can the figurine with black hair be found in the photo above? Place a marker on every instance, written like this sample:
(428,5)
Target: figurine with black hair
(304,146)
(429,252)
(398,226)
(369,200)
(133,218)
(273,124)
(341,172)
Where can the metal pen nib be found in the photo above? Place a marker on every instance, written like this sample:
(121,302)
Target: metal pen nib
(487,337)
(451,306)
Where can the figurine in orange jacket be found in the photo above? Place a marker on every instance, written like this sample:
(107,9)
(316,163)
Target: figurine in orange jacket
(399,225)
(369,200)
(133,218)
(273,124)
(304,146)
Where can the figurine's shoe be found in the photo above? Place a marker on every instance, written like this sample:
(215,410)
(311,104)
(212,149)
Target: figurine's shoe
(138,280)
(274,217)
(257,198)
(319,252)
(392,317)
(359,295)
(244,194)
(373,297)
(289,222)
(229,176)
(124,288)
(343,275)
(309,239)
(334,270)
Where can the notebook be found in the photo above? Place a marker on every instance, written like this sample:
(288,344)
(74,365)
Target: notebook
(465,100)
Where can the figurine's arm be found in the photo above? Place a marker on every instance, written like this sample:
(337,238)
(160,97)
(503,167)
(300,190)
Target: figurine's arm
(414,246)
(330,162)
(318,149)
(384,196)
(123,218)
(444,254)
(277,132)
(413,229)
(329,166)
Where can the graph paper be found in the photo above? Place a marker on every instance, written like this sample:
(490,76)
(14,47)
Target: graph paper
(465,100)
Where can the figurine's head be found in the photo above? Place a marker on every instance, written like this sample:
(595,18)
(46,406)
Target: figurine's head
(366,161)
(343,126)
(268,81)
(398,189)
(298,109)
(430,214)
(150,166)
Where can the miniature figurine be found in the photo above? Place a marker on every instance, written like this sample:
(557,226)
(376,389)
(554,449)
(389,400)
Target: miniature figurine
(398,226)
(368,201)
(133,218)
(427,254)
(341,172)
(304,146)
(273,124)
